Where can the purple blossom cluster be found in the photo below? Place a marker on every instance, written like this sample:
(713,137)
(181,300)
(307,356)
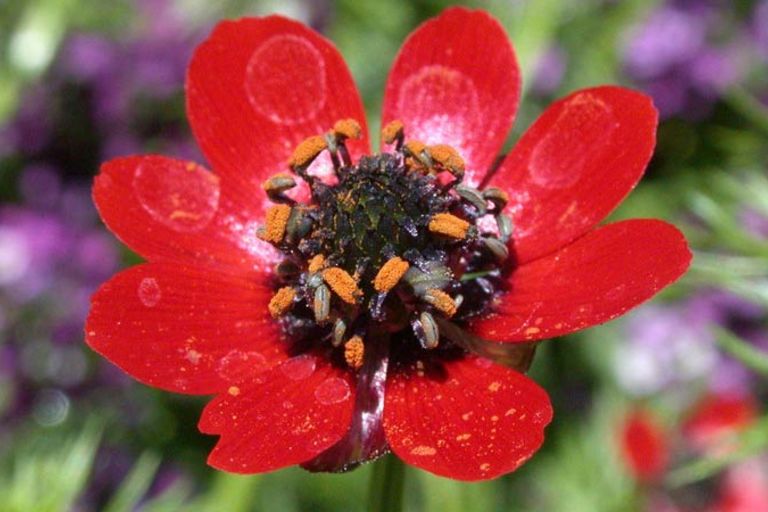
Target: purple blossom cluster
(674,346)
(687,53)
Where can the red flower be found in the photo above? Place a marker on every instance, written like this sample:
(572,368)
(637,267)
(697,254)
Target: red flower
(715,418)
(198,317)
(644,446)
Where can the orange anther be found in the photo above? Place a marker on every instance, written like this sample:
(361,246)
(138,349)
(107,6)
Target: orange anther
(415,148)
(279,183)
(441,301)
(281,302)
(276,220)
(392,131)
(316,263)
(354,351)
(447,157)
(389,274)
(347,129)
(307,151)
(342,284)
(449,225)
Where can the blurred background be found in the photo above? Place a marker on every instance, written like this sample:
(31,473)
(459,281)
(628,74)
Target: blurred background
(661,410)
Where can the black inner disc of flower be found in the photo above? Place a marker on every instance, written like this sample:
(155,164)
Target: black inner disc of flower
(378,209)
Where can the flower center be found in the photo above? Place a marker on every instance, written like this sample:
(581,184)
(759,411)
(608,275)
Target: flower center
(393,246)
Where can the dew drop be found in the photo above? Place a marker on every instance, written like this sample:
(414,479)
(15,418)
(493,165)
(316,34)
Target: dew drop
(149,292)
(332,391)
(579,136)
(297,92)
(300,367)
(456,96)
(238,365)
(181,196)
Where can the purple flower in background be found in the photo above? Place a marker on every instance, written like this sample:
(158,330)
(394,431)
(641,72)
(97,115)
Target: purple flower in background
(668,346)
(685,54)
(549,72)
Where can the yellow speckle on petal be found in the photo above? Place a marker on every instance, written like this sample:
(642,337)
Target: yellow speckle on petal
(423,450)
(233,390)
(485,466)
(494,386)
(463,437)
(531,331)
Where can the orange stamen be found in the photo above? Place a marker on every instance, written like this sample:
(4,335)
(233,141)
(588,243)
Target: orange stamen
(449,225)
(354,351)
(281,302)
(447,157)
(276,220)
(316,263)
(342,284)
(278,183)
(392,131)
(307,151)
(347,129)
(389,274)
(441,301)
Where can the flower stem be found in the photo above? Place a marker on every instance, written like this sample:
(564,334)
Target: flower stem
(386,489)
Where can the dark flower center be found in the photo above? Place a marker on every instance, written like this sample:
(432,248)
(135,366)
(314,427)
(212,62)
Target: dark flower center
(394,246)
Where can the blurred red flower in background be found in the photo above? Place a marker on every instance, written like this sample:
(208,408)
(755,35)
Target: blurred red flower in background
(195,318)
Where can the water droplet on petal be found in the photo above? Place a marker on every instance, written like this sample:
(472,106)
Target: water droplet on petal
(299,367)
(457,96)
(181,196)
(581,133)
(297,91)
(149,292)
(238,365)
(332,391)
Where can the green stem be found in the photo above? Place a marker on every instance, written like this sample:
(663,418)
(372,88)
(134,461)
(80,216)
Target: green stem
(386,489)
(749,107)
(748,355)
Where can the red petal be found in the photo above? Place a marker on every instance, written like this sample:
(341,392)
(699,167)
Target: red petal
(466,419)
(259,86)
(173,210)
(644,446)
(285,416)
(184,329)
(574,165)
(716,416)
(456,81)
(595,279)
